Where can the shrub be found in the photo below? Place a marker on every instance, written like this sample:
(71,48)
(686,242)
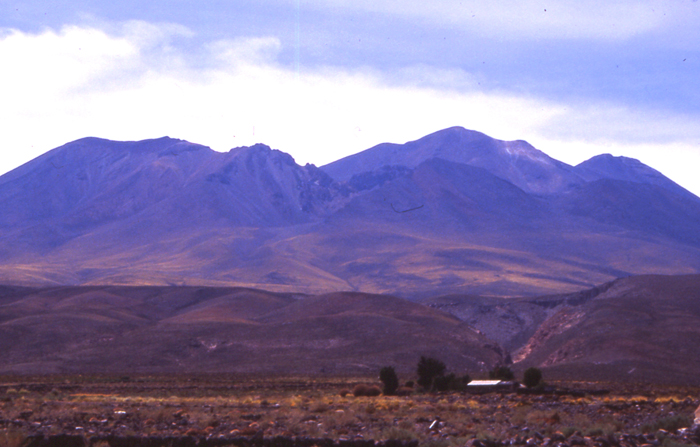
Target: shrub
(366,390)
(373,391)
(391,382)
(532,377)
(404,391)
(360,390)
(428,369)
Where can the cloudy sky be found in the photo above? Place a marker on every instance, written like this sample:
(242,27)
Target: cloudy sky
(325,79)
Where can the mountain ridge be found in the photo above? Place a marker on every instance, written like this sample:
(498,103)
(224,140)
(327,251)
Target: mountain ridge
(464,213)
(626,169)
(505,159)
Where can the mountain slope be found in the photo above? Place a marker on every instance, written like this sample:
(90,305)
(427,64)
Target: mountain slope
(150,186)
(641,207)
(635,329)
(514,161)
(644,328)
(186,329)
(91,181)
(454,212)
(606,166)
(449,227)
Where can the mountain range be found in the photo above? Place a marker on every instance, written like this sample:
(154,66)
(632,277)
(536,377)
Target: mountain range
(453,212)
(164,256)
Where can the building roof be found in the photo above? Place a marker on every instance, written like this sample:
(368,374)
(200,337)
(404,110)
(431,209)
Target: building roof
(486,383)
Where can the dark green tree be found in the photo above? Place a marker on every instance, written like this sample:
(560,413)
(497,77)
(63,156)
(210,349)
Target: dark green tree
(443,383)
(501,373)
(391,382)
(451,382)
(532,377)
(428,369)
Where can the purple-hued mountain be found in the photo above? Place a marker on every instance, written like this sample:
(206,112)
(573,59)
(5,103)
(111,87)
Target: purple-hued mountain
(453,212)
(515,161)
(607,166)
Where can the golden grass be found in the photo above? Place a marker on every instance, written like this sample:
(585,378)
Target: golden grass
(314,408)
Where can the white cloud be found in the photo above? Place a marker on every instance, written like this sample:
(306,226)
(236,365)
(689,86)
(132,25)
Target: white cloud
(83,81)
(135,83)
(604,121)
(35,66)
(254,50)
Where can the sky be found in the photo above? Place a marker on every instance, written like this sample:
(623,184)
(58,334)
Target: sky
(321,80)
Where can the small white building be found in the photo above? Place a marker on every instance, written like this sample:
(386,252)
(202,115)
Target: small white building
(486,382)
(485,386)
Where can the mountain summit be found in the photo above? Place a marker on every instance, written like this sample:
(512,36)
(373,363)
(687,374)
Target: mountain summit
(606,166)
(453,212)
(515,161)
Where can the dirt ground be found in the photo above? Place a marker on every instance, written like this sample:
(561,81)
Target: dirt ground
(224,407)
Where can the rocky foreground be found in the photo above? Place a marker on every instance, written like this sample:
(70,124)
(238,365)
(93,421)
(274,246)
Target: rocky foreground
(150,412)
(687,436)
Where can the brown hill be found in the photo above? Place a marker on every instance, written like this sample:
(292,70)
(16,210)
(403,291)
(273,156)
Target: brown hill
(636,329)
(642,328)
(190,329)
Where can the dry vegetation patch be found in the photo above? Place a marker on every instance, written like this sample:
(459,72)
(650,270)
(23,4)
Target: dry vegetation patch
(227,407)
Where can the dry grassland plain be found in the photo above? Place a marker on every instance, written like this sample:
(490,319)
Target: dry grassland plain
(223,407)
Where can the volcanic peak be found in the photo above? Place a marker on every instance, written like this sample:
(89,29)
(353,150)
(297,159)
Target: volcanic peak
(514,161)
(607,166)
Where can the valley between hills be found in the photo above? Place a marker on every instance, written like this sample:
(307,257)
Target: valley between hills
(164,256)
(638,329)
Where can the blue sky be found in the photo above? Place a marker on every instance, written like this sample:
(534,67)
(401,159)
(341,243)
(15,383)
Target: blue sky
(325,79)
